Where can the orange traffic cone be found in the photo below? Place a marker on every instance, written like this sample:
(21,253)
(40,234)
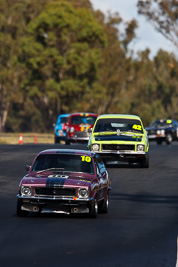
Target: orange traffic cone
(35,139)
(21,139)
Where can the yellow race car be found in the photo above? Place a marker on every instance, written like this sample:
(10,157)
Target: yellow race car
(120,137)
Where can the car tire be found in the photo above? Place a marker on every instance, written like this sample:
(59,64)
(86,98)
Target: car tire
(67,142)
(159,141)
(21,213)
(145,162)
(56,140)
(131,163)
(93,210)
(169,139)
(105,204)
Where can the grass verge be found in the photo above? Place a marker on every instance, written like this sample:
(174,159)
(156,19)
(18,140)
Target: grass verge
(28,138)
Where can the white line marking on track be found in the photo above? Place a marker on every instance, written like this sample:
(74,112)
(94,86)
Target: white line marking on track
(177,254)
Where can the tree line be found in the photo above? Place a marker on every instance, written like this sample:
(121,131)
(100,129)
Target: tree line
(61,56)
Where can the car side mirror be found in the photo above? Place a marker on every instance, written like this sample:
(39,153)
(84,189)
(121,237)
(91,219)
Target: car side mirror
(27,167)
(90,130)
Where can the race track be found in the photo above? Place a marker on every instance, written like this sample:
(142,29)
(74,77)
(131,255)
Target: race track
(140,229)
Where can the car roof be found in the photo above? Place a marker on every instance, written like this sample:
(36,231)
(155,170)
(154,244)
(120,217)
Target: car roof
(83,114)
(64,115)
(123,116)
(67,151)
(163,120)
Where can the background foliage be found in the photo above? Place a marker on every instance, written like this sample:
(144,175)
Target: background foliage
(61,56)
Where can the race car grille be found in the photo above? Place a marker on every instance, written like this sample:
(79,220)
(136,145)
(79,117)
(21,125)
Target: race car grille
(152,132)
(115,147)
(81,134)
(47,191)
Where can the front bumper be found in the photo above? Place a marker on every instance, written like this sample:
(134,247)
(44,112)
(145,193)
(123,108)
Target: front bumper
(60,134)
(79,137)
(156,136)
(63,138)
(122,156)
(54,205)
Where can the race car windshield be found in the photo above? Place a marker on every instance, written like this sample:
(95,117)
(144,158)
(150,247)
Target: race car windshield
(63,162)
(83,120)
(62,120)
(161,124)
(114,124)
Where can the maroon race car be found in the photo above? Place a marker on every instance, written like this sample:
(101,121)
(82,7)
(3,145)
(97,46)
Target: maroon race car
(64,181)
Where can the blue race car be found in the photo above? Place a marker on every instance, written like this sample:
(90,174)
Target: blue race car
(163,130)
(60,128)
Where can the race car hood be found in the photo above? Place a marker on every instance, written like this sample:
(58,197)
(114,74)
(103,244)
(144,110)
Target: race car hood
(156,128)
(115,137)
(50,179)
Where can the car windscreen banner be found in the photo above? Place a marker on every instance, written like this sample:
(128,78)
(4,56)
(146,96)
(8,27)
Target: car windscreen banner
(113,124)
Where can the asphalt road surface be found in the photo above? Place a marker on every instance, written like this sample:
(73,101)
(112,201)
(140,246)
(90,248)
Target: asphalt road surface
(140,229)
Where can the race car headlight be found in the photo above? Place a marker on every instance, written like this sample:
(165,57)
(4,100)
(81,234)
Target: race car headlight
(95,147)
(140,148)
(83,193)
(162,132)
(25,190)
(72,130)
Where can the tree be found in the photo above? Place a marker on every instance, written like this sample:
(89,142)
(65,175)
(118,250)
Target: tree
(62,56)
(14,17)
(112,86)
(166,73)
(163,15)
(156,88)
(61,53)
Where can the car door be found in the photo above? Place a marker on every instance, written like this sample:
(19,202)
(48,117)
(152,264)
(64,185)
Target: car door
(176,130)
(102,176)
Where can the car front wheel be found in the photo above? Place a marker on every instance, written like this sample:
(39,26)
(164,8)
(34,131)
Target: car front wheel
(105,204)
(159,141)
(21,213)
(56,140)
(67,142)
(145,162)
(93,210)
(168,138)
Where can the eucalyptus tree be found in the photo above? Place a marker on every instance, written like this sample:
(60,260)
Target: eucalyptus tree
(163,15)
(61,53)
(112,90)
(14,18)
(166,77)
(156,87)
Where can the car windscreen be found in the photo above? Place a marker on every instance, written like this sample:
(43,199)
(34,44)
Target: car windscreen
(161,124)
(62,120)
(115,124)
(83,120)
(65,162)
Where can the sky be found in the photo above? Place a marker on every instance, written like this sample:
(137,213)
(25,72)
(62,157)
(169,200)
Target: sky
(146,36)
